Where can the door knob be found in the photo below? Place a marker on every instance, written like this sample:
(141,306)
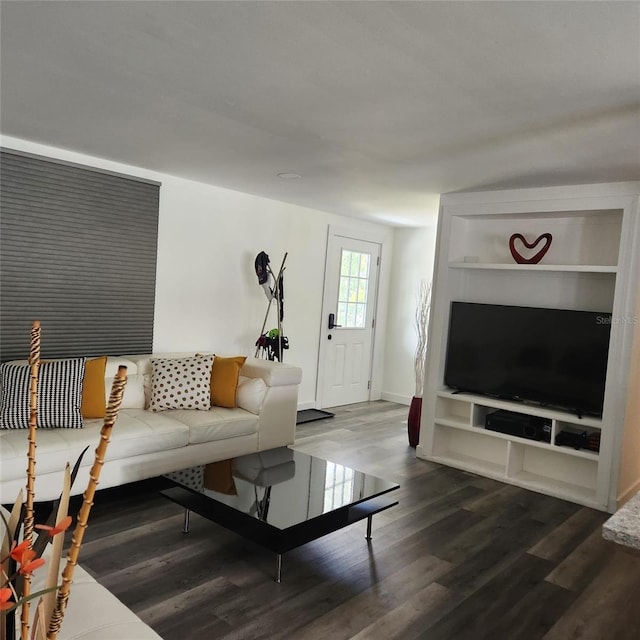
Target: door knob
(332,324)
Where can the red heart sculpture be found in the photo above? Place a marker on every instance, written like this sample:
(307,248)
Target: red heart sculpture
(535,258)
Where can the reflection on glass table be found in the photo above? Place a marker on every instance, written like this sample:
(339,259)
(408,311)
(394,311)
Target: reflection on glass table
(280,498)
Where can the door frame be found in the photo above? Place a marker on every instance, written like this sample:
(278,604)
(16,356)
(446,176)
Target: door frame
(366,236)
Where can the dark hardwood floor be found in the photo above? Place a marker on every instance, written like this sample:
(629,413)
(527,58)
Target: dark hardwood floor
(460,557)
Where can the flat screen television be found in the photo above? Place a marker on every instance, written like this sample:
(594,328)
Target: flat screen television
(551,357)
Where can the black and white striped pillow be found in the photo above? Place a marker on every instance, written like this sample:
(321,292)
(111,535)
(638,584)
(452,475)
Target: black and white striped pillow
(59,395)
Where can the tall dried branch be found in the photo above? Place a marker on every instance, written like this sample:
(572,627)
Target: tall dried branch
(423,308)
(34,362)
(115,399)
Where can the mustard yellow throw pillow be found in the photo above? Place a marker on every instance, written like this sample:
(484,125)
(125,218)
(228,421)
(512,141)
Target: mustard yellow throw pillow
(224,380)
(94,404)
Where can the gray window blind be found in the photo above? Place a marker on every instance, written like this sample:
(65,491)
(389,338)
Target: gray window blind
(78,252)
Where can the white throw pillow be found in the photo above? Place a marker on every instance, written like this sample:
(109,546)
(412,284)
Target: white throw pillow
(250,394)
(181,383)
(133,397)
(115,362)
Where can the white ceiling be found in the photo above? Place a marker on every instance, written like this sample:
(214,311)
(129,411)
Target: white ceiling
(379,106)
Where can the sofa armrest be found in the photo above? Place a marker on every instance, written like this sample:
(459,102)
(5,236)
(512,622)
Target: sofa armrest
(277,417)
(274,374)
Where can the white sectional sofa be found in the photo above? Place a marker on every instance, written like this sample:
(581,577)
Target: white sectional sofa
(145,444)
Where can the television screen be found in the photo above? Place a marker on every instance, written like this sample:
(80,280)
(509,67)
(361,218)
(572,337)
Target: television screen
(552,357)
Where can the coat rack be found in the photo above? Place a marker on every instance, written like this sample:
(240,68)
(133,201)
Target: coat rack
(272,343)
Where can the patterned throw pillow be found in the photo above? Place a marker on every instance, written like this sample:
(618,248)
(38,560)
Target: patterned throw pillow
(59,395)
(181,383)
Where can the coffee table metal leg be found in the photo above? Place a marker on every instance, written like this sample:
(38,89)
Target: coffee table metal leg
(369,519)
(185,528)
(278,567)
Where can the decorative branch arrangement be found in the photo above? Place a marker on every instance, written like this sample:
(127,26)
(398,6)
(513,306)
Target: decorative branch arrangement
(117,391)
(19,559)
(423,308)
(34,363)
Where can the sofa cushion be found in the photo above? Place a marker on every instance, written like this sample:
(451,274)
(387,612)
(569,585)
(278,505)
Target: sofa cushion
(138,431)
(59,394)
(94,404)
(218,423)
(224,380)
(135,432)
(181,383)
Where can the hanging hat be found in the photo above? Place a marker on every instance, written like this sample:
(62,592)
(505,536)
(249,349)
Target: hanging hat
(262,267)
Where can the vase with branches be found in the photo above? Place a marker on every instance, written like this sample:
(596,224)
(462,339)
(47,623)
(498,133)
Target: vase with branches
(21,551)
(421,322)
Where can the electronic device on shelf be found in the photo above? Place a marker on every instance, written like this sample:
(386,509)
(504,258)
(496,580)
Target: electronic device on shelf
(519,424)
(552,357)
(582,440)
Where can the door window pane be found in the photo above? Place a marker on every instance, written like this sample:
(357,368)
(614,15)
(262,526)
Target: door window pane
(353,290)
(364,265)
(344,289)
(362,290)
(354,285)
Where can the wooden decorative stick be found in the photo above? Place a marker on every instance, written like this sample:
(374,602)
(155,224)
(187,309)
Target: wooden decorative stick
(34,361)
(115,399)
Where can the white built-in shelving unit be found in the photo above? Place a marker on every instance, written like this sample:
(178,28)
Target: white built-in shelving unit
(593,264)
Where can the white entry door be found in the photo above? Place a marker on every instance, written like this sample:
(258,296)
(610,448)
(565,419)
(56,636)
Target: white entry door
(351,280)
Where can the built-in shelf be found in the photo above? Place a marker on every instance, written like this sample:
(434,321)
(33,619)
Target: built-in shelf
(469,463)
(557,488)
(578,453)
(591,265)
(525,479)
(520,407)
(570,268)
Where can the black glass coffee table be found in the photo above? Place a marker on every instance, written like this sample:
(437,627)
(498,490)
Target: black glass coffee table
(280,499)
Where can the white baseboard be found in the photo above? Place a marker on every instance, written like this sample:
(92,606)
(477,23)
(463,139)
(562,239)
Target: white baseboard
(396,397)
(391,397)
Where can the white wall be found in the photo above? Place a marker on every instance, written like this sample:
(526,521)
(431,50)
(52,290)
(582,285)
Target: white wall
(628,480)
(207,293)
(413,256)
